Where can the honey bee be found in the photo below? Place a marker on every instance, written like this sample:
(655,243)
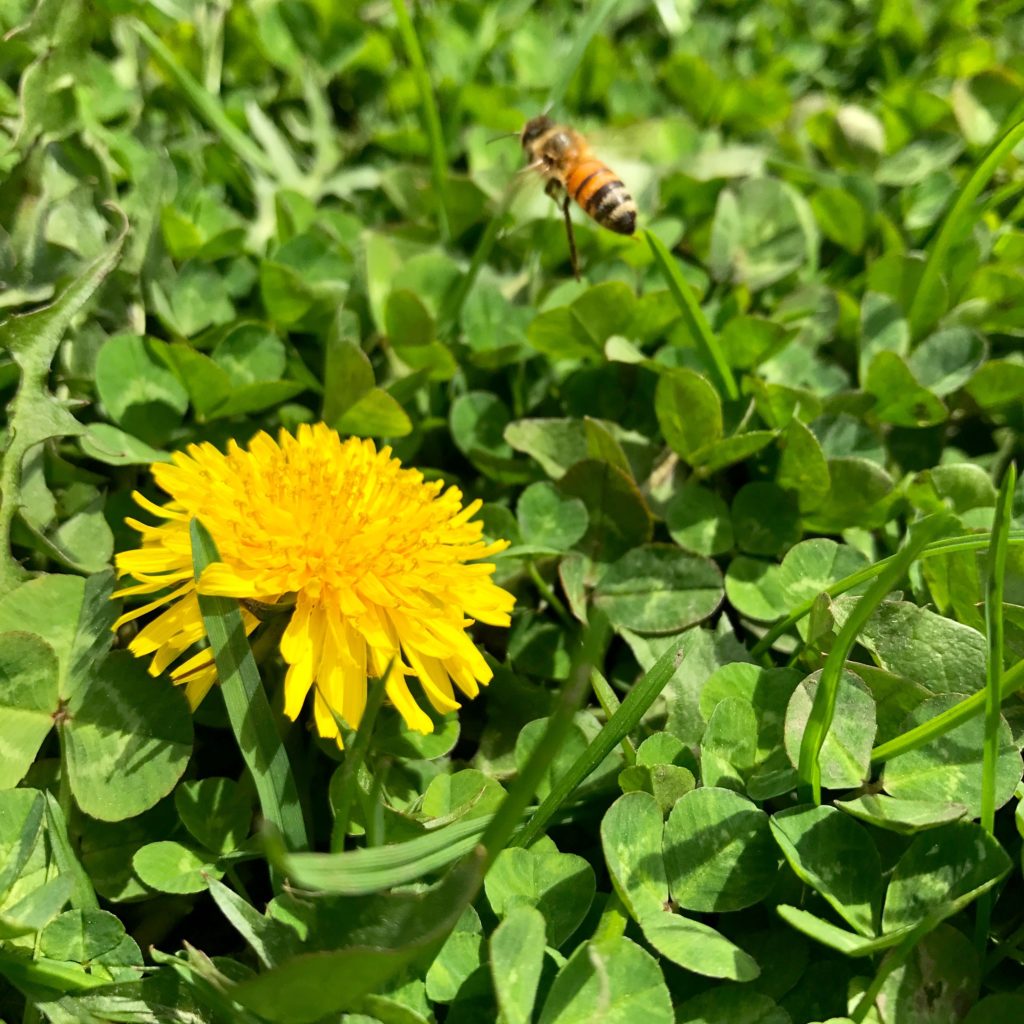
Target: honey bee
(565,159)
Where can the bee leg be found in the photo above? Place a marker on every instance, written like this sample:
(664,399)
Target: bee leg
(556,190)
(573,256)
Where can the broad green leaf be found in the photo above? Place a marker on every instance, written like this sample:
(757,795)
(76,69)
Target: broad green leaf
(631,837)
(549,519)
(658,589)
(949,767)
(29,698)
(942,654)
(941,871)
(698,520)
(719,853)
(81,936)
(619,519)
(119,716)
(457,959)
(137,390)
(736,1004)
(612,980)
(846,753)
(172,867)
(754,588)
(689,411)
(765,518)
(215,811)
(900,400)
(762,232)
(802,467)
(380,936)
(556,444)
(945,361)
(945,965)
(903,816)
(835,855)
(517,956)
(560,885)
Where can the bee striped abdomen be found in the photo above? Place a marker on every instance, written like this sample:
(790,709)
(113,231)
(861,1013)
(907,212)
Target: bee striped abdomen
(603,196)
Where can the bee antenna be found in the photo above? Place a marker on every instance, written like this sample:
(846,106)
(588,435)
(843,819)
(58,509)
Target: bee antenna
(503,135)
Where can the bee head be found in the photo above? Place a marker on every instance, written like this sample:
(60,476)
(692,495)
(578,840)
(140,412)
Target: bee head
(535,128)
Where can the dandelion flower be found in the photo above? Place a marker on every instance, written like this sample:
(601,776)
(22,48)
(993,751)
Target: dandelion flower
(383,569)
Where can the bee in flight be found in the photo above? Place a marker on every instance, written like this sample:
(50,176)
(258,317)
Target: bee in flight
(565,159)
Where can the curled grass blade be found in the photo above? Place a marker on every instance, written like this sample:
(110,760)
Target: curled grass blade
(377,868)
(204,103)
(946,546)
(823,708)
(956,223)
(615,730)
(694,315)
(248,708)
(431,118)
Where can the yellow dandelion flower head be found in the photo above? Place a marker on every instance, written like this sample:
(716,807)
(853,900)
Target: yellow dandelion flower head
(383,566)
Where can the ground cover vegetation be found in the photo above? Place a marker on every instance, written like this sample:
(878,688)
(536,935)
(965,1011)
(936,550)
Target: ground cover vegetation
(500,646)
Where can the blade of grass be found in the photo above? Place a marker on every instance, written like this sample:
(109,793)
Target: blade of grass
(248,708)
(694,315)
(205,104)
(583,34)
(377,868)
(355,754)
(956,223)
(824,706)
(610,703)
(995,576)
(431,118)
(946,546)
(623,722)
(1013,680)
(506,820)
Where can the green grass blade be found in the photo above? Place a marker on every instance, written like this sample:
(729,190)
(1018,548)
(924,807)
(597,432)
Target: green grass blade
(509,814)
(964,711)
(620,725)
(378,868)
(946,546)
(955,225)
(583,34)
(431,118)
(355,754)
(823,709)
(995,575)
(610,703)
(248,708)
(693,315)
(205,104)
